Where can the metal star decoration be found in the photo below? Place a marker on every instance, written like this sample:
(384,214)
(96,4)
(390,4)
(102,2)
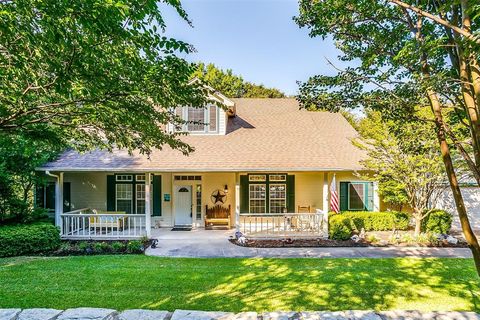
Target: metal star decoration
(218,196)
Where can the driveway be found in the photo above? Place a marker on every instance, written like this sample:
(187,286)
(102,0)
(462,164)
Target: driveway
(202,243)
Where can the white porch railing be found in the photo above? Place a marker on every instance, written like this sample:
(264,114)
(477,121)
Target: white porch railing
(87,224)
(287,225)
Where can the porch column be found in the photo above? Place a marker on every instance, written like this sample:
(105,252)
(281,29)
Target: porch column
(59,200)
(325,192)
(148,211)
(237,202)
(376,197)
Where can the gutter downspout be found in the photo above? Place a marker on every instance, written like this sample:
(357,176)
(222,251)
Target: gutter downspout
(58,197)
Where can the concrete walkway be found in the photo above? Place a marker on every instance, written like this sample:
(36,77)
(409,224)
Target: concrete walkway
(214,243)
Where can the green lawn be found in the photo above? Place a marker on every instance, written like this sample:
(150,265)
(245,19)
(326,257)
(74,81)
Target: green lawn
(123,282)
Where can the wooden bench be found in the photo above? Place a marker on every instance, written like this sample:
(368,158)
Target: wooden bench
(217,215)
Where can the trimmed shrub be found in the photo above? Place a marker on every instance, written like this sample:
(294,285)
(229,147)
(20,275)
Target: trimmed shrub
(35,238)
(135,246)
(341,226)
(437,221)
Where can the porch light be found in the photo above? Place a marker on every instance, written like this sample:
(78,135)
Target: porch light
(225,189)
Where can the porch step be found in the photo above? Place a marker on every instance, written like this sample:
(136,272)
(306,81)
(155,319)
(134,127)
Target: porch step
(182,227)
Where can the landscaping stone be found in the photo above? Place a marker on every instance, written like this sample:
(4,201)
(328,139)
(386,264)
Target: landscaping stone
(201,315)
(38,314)
(245,316)
(281,315)
(141,314)
(324,315)
(88,314)
(455,315)
(9,314)
(362,315)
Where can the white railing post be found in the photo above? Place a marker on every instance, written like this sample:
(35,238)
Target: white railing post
(237,202)
(148,217)
(325,192)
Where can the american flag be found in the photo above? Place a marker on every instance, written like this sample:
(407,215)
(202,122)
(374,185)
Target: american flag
(334,196)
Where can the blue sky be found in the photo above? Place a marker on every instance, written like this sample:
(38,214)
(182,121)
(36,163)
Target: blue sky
(256,39)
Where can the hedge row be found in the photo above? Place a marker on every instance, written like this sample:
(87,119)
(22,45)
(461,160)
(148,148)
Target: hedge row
(36,238)
(341,226)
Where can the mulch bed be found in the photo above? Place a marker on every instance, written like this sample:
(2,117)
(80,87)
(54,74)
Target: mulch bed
(310,243)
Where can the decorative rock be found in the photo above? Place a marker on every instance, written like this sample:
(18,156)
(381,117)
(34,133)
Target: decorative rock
(452,240)
(455,315)
(136,314)
(88,314)
(245,316)
(362,315)
(280,315)
(9,314)
(355,238)
(38,314)
(324,315)
(201,315)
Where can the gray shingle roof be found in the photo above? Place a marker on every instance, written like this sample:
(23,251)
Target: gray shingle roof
(266,135)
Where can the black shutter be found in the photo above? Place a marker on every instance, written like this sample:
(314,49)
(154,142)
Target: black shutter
(50,196)
(243,194)
(40,196)
(291,193)
(66,197)
(111,193)
(157,195)
(344,196)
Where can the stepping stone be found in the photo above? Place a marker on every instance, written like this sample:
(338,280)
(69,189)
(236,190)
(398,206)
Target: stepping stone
(201,315)
(456,315)
(88,314)
(137,314)
(9,314)
(324,315)
(38,314)
(281,315)
(362,315)
(245,316)
(405,315)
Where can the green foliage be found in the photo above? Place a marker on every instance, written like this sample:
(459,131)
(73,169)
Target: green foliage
(29,239)
(232,85)
(342,225)
(102,73)
(339,227)
(437,221)
(117,246)
(135,246)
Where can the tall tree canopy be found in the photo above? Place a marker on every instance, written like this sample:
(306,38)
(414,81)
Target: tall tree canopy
(98,73)
(407,55)
(231,85)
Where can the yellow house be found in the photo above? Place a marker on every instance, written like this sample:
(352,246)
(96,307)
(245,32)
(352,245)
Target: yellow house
(258,156)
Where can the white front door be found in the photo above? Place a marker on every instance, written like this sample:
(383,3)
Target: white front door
(183,205)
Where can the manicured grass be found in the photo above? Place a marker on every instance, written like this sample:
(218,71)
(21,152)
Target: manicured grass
(123,282)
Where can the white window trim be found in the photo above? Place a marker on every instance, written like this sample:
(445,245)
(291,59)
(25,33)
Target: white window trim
(348,195)
(116,196)
(250,198)
(137,199)
(270,196)
(206,119)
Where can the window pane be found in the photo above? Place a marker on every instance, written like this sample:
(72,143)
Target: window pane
(140,177)
(257,177)
(124,177)
(278,177)
(199,202)
(140,198)
(196,115)
(213,118)
(278,198)
(257,198)
(124,197)
(356,194)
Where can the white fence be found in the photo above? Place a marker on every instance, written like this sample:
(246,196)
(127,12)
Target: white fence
(287,225)
(90,224)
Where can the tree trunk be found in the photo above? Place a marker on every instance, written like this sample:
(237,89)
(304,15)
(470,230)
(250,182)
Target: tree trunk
(418,226)
(452,178)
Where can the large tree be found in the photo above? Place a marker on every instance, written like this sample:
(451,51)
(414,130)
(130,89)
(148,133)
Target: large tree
(98,73)
(232,85)
(404,159)
(407,54)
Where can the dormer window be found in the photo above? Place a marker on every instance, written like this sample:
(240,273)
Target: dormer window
(200,120)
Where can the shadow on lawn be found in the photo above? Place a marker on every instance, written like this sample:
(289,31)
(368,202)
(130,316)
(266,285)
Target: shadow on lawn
(278,284)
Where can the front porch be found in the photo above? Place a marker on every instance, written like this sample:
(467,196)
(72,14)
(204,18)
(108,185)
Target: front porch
(109,205)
